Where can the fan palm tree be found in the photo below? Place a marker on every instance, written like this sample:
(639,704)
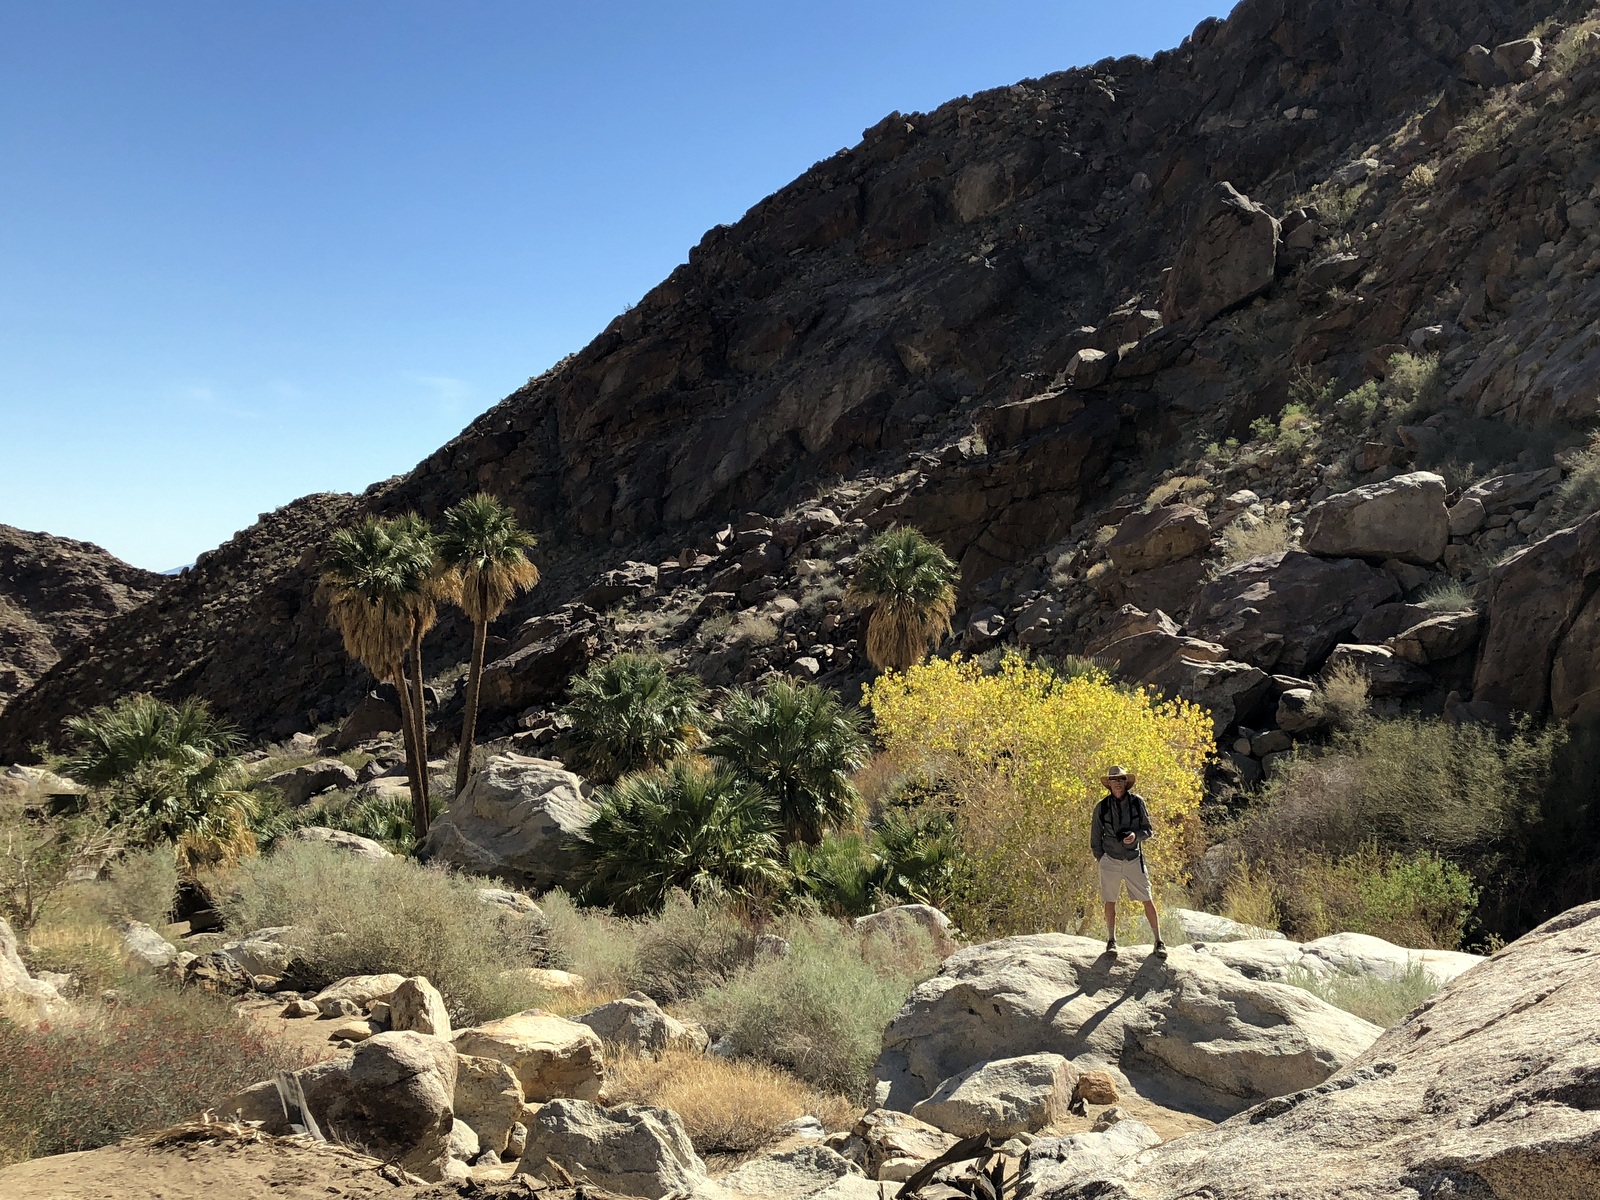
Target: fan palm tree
(908,583)
(692,826)
(800,745)
(430,583)
(629,713)
(488,552)
(371,576)
(173,775)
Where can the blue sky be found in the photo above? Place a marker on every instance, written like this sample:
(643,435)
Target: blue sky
(254,250)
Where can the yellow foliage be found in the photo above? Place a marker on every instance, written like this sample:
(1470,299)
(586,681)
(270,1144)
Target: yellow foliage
(1024,749)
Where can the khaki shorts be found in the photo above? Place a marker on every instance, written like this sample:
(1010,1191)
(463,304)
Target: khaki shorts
(1114,872)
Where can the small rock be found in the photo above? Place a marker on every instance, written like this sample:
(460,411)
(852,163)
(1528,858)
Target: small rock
(416,1005)
(1003,1097)
(299,1008)
(1096,1087)
(356,1030)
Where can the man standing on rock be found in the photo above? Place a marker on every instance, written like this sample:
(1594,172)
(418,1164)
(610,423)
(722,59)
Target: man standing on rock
(1120,826)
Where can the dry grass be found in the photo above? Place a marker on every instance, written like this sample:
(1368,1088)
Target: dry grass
(754,630)
(1246,539)
(727,1105)
(1248,898)
(1343,697)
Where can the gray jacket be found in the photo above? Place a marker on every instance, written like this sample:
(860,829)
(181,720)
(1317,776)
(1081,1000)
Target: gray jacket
(1113,820)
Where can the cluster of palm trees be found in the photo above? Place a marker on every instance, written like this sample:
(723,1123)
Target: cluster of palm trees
(385,579)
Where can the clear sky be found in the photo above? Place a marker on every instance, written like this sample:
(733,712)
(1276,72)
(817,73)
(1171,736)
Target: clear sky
(258,248)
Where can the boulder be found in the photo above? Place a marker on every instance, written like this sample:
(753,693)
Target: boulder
(16,984)
(392,1097)
(896,921)
(1230,255)
(1052,1163)
(637,1023)
(265,951)
(373,717)
(552,1057)
(1467,516)
(1198,671)
(537,670)
(1204,1036)
(1159,537)
(1520,59)
(1002,1097)
(1387,620)
(298,784)
(518,820)
(1096,1087)
(338,839)
(633,1149)
(488,1098)
(144,945)
(1437,638)
(463,1145)
(1386,671)
(1297,711)
(1089,368)
(547,978)
(810,1172)
(1284,612)
(513,902)
(217,972)
(1208,927)
(1487,1091)
(1541,638)
(1274,957)
(357,991)
(1506,493)
(1404,517)
(352,1029)
(417,1005)
(886,1135)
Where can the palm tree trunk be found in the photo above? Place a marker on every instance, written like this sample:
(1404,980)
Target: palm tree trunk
(469,720)
(419,717)
(413,776)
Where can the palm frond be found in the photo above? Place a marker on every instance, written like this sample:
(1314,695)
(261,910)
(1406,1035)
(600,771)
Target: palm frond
(629,713)
(908,584)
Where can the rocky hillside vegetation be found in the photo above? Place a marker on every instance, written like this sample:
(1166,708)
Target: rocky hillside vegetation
(969,308)
(55,594)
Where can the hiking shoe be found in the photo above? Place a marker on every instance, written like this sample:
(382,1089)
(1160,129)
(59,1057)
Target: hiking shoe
(1111,945)
(1161,949)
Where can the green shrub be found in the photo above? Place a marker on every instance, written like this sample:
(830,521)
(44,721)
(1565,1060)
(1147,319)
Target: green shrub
(361,917)
(1343,696)
(1447,597)
(820,1010)
(1384,1002)
(798,745)
(1247,538)
(1415,899)
(690,826)
(1357,408)
(1412,384)
(154,1058)
(1579,494)
(630,713)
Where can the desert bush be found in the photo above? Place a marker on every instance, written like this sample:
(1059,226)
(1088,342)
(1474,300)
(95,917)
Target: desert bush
(1416,899)
(752,629)
(1358,407)
(1579,493)
(820,1010)
(1248,897)
(361,917)
(909,855)
(1418,180)
(1412,384)
(1246,538)
(592,942)
(630,713)
(689,826)
(1450,596)
(1025,749)
(1384,1002)
(728,1106)
(798,745)
(155,1057)
(688,948)
(1342,697)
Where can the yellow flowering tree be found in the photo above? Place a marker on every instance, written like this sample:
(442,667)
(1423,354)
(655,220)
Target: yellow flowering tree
(1021,752)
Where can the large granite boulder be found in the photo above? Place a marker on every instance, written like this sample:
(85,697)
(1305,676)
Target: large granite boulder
(518,820)
(1487,1092)
(356,993)
(1270,957)
(1283,612)
(489,1098)
(552,1057)
(339,839)
(809,1172)
(417,1005)
(1158,538)
(16,984)
(266,951)
(1051,1163)
(1388,674)
(632,1149)
(547,653)
(1189,1029)
(298,784)
(375,716)
(1404,517)
(1541,642)
(636,1022)
(1004,1097)
(1199,671)
(1230,255)
(903,920)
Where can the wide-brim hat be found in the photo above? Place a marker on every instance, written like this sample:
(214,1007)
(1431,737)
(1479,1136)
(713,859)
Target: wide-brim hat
(1121,773)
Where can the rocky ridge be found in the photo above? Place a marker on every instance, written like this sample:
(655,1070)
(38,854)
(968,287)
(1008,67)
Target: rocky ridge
(55,594)
(965,314)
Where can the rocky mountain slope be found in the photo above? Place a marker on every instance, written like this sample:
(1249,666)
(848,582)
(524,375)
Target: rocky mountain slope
(56,593)
(966,321)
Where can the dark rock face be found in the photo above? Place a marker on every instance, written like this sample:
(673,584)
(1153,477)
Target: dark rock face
(1284,612)
(1231,256)
(56,593)
(861,319)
